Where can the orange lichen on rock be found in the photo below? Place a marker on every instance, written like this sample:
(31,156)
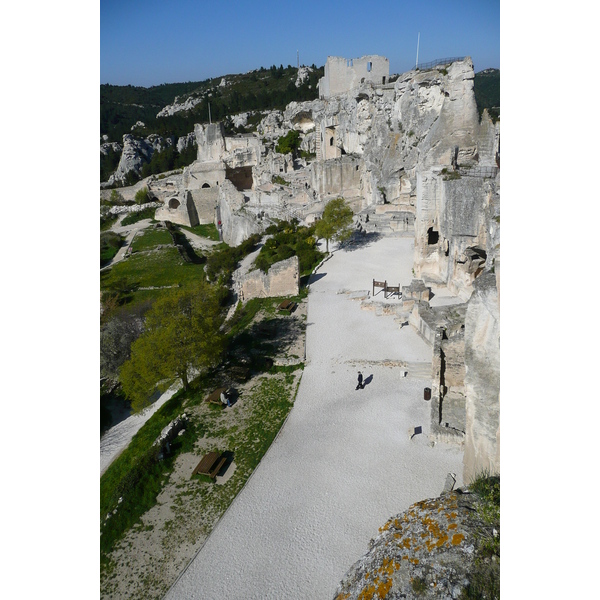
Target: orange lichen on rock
(457,538)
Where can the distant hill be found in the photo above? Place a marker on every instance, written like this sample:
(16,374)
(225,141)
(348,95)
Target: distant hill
(487,92)
(121,107)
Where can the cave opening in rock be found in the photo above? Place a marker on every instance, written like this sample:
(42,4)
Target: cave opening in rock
(432,236)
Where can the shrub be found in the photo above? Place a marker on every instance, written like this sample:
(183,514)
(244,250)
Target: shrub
(141,196)
(288,143)
(134,217)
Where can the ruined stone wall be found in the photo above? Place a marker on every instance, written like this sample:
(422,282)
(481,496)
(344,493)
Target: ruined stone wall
(342,74)
(452,228)
(205,203)
(211,141)
(176,211)
(339,177)
(238,224)
(482,379)
(282,279)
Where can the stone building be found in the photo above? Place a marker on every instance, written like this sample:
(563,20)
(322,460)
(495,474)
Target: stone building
(344,74)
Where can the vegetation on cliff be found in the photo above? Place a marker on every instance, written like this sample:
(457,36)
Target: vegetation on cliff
(487,92)
(121,107)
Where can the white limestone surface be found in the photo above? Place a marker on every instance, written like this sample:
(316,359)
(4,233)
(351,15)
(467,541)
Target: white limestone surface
(344,462)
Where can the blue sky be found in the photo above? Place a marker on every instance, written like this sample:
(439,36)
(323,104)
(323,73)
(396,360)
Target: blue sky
(149,42)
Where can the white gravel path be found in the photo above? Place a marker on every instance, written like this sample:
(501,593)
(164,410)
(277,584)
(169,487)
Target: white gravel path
(343,462)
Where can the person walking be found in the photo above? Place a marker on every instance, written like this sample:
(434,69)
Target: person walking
(360,385)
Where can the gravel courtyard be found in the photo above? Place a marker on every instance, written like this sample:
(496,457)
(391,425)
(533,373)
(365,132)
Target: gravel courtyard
(344,461)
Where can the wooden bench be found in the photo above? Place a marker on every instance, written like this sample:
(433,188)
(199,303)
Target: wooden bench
(210,465)
(287,306)
(215,397)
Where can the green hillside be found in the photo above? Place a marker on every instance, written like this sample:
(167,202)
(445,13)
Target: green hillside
(263,89)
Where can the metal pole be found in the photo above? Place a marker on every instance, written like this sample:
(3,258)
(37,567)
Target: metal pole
(418,38)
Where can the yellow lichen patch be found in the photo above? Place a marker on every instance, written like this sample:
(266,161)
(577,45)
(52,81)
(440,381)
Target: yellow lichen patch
(385,527)
(442,541)
(452,526)
(342,596)
(384,588)
(414,561)
(457,538)
(389,566)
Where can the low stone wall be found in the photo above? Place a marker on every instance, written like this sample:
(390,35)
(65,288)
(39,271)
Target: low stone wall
(282,279)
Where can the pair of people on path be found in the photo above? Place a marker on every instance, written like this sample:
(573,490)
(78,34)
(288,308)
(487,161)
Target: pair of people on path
(360,385)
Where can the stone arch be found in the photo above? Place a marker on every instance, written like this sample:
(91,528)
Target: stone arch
(174,203)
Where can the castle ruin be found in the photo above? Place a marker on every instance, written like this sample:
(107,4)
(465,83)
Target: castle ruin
(412,158)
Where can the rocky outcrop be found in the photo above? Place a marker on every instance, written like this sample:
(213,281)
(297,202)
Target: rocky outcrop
(179,106)
(282,279)
(426,552)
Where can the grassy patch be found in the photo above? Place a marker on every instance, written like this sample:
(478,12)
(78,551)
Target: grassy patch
(150,238)
(209,231)
(158,268)
(132,483)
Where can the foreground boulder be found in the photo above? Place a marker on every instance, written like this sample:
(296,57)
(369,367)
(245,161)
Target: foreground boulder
(428,551)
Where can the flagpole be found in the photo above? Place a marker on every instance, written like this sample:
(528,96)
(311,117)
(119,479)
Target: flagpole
(418,39)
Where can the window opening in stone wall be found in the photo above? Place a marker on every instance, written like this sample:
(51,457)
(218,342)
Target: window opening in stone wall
(369,65)
(432,236)
(331,141)
(173,203)
(205,185)
(383,79)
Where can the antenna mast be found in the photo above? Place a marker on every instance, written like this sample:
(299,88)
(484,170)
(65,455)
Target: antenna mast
(418,39)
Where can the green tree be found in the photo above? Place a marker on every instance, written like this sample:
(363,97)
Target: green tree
(290,142)
(182,334)
(336,222)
